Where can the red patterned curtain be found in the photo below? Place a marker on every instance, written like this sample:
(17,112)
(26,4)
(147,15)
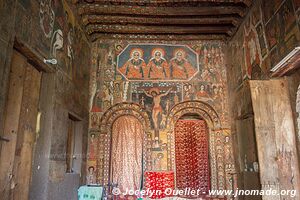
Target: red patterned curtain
(191,151)
(127,146)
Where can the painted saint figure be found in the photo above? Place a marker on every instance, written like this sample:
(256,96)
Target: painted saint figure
(158,67)
(180,67)
(157,163)
(91,178)
(187,92)
(134,68)
(157,109)
(92,147)
(203,94)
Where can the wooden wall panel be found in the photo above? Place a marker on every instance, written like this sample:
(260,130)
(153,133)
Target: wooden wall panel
(275,134)
(26,133)
(11,123)
(20,122)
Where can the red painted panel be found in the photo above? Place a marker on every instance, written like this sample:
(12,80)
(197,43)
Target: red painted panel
(192,158)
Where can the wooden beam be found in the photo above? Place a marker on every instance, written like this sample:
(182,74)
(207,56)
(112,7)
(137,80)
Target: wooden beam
(158,37)
(168,2)
(115,19)
(207,29)
(160,11)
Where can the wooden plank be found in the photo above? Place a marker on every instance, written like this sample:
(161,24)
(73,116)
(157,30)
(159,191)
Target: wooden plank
(26,133)
(119,29)
(11,123)
(165,37)
(160,11)
(275,135)
(70,145)
(171,2)
(117,19)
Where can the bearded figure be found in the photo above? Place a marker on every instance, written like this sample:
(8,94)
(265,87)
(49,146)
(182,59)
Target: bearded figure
(135,67)
(158,67)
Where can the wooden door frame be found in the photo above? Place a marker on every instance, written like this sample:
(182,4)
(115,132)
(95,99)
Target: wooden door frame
(35,60)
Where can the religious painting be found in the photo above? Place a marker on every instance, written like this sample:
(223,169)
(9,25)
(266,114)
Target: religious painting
(272,32)
(211,93)
(188,92)
(262,40)
(157,77)
(211,62)
(203,91)
(93,140)
(256,14)
(157,99)
(270,8)
(287,18)
(251,48)
(47,17)
(96,100)
(59,33)
(102,99)
(118,91)
(91,176)
(157,62)
(94,120)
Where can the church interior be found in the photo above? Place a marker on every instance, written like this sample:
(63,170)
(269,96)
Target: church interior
(149,99)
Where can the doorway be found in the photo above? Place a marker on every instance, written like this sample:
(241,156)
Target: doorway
(126,153)
(192,154)
(20,122)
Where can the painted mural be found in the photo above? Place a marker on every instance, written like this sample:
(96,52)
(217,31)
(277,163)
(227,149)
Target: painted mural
(158,78)
(263,39)
(266,38)
(58,35)
(157,62)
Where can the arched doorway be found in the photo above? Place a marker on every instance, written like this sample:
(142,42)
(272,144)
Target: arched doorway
(127,152)
(219,178)
(108,122)
(192,153)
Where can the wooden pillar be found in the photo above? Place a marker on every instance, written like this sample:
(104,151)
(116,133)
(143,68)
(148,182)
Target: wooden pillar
(275,135)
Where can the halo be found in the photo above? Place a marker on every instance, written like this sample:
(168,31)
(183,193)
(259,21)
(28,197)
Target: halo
(179,50)
(162,51)
(139,50)
(154,90)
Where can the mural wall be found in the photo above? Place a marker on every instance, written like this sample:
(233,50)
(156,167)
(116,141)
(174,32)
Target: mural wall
(157,77)
(269,32)
(58,36)
(263,40)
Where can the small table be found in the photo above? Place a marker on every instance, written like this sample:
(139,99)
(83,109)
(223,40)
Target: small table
(90,192)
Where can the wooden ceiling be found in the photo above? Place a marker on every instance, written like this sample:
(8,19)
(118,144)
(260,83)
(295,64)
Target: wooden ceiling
(161,19)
